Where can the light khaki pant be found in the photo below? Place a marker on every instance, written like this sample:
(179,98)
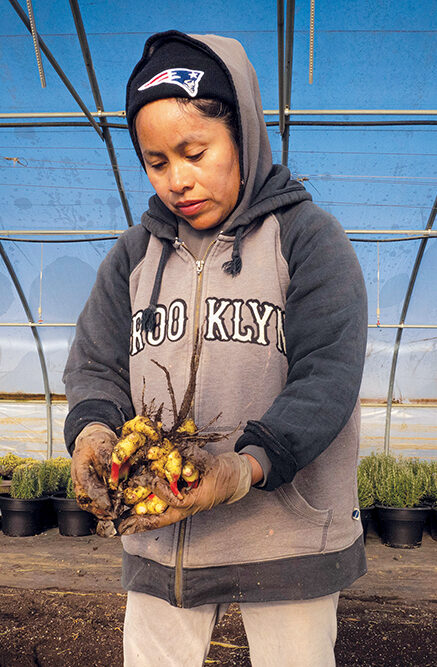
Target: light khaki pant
(280,634)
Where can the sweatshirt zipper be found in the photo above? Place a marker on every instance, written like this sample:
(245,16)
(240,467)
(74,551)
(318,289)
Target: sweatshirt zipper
(178,581)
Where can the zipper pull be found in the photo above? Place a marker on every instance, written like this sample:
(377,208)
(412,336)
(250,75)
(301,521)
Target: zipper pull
(199,266)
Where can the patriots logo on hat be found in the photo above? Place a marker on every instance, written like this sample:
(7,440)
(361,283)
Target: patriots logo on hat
(188,79)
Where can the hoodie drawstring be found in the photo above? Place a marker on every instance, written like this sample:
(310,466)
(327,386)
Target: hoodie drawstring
(233,267)
(149,315)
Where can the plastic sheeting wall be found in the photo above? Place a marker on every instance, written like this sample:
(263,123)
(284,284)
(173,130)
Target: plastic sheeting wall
(374,55)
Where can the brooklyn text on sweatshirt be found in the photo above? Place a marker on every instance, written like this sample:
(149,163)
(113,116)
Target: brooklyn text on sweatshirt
(251,321)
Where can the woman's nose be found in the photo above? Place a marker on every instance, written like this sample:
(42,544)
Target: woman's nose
(180,177)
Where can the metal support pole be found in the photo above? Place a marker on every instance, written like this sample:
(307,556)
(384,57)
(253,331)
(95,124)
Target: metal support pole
(266,112)
(401,327)
(39,348)
(57,68)
(99,105)
(289,40)
(36,43)
(311,65)
(281,103)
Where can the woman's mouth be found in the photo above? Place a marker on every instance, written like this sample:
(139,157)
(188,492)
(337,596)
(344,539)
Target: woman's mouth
(190,207)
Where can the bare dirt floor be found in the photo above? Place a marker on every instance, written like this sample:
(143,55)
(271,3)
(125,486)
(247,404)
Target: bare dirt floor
(61,604)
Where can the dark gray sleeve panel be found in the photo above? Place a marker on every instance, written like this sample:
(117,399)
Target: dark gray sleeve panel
(326,333)
(97,372)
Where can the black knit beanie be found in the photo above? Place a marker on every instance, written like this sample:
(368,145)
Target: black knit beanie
(175,65)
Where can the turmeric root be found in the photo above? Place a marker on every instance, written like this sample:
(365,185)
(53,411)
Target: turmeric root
(152,505)
(127,446)
(172,470)
(132,495)
(148,453)
(122,451)
(140,424)
(188,427)
(190,474)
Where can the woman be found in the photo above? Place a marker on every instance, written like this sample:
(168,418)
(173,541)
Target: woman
(233,248)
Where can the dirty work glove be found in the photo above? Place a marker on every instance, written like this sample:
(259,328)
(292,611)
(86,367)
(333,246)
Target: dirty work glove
(91,463)
(226,478)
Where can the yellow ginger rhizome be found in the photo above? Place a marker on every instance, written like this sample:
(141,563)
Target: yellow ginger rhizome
(144,452)
(147,451)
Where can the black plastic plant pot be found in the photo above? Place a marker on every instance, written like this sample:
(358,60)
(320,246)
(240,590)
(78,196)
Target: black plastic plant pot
(366,514)
(402,527)
(73,521)
(433,523)
(22,518)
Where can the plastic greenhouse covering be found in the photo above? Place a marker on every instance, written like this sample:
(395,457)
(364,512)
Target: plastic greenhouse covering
(362,137)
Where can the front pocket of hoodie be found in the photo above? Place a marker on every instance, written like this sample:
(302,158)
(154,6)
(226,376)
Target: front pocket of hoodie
(262,526)
(316,521)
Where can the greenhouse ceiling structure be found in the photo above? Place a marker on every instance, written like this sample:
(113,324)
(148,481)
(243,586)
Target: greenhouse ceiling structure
(349,98)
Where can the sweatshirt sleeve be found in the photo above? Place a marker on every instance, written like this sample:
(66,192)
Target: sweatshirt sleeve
(325,329)
(96,376)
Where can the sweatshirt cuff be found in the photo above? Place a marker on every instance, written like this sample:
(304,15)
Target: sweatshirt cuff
(260,455)
(283,464)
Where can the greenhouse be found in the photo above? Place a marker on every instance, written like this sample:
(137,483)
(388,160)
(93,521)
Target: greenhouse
(349,101)
(359,136)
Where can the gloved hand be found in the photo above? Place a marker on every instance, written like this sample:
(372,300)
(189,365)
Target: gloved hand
(226,478)
(91,462)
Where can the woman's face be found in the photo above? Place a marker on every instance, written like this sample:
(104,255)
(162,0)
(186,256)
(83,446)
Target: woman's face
(191,161)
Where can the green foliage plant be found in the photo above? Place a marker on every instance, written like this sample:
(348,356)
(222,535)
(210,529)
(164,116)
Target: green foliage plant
(429,472)
(366,496)
(49,475)
(54,475)
(9,462)
(64,474)
(401,485)
(26,484)
(377,464)
(70,489)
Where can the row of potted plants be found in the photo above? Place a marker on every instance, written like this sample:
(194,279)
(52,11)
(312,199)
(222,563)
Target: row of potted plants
(37,495)
(403,494)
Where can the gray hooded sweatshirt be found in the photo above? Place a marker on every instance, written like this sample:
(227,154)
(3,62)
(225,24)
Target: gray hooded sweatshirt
(282,358)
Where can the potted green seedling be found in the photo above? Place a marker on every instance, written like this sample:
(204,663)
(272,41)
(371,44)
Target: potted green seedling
(400,494)
(8,463)
(72,519)
(25,510)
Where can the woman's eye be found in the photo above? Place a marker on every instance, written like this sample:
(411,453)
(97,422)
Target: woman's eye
(158,165)
(196,156)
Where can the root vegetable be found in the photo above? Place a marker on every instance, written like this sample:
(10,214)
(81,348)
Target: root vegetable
(188,427)
(152,505)
(127,446)
(140,424)
(148,453)
(123,450)
(158,467)
(132,495)
(172,470)
(190,473)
